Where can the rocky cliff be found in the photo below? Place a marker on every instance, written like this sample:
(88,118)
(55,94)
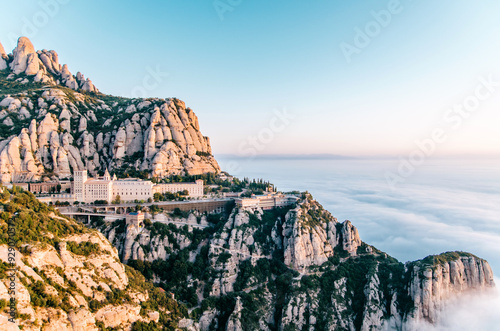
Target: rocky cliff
(69,277)
(53,123)
(292,269)
(436,279)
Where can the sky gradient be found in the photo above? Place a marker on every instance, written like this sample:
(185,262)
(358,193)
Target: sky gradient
(238,65)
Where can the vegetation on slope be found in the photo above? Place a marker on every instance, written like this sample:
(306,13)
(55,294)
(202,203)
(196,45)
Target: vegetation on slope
(38,224)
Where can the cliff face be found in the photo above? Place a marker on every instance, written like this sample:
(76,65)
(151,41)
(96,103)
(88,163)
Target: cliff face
(296,268)
(53,123)
(69,277)
(450,275)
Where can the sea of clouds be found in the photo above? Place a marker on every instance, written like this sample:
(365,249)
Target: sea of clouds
(446,205)
(469,312)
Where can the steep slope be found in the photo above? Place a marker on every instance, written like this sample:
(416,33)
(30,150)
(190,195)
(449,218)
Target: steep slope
(295,268)
(53,123)
(69,277)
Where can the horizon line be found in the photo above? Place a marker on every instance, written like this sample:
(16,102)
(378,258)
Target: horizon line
(332,156)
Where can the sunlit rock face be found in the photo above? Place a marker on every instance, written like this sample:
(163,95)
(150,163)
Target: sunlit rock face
(431,287)
(295,268)
(57,269)
(43,66)
(63,124)
(300,268)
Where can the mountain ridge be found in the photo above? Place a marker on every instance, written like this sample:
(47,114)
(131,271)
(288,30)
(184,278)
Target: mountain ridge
(293,268)
(55,123)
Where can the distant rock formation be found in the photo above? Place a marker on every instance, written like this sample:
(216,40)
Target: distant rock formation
(431,286)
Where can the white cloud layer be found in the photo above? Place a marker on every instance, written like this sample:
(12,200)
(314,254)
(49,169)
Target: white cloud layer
(445,206)
(469,313)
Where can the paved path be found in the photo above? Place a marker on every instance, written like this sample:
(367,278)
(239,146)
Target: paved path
(158,203)
(115,217)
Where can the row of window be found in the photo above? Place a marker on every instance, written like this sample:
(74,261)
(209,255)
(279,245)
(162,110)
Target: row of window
(131,193)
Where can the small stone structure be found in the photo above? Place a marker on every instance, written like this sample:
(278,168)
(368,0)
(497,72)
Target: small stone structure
(135,218)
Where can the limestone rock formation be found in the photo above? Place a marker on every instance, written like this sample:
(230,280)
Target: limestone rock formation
(310,235)
(3,58)
(290,268)
(43,67)
(296,268)
(69,277)
(431,286)
(55,130)
(61,267)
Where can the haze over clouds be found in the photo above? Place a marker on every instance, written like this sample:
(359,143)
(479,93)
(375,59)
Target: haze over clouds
(444,206)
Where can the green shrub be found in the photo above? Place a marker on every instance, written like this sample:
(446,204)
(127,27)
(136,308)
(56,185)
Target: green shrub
(84,248)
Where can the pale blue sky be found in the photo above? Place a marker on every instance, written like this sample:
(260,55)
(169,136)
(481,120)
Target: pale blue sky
(272,55)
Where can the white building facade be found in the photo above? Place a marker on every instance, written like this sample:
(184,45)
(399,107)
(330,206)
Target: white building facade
(106,188)
(132,189)
(194,189)
(88,190)
(267,201)
(80,177)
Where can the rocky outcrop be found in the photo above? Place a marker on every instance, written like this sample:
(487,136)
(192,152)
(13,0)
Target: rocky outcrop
(43,67)
(431,286)
(3,58)
(309,235)
(60,269)
(53,131)
(234,322)
(350,238)
(69,277)
(296,268)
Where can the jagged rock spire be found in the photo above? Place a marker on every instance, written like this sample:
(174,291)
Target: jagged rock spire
(2,51)
(25,58)
(43,66)
(3,56)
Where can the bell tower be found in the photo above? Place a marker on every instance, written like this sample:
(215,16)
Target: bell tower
(106,175)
